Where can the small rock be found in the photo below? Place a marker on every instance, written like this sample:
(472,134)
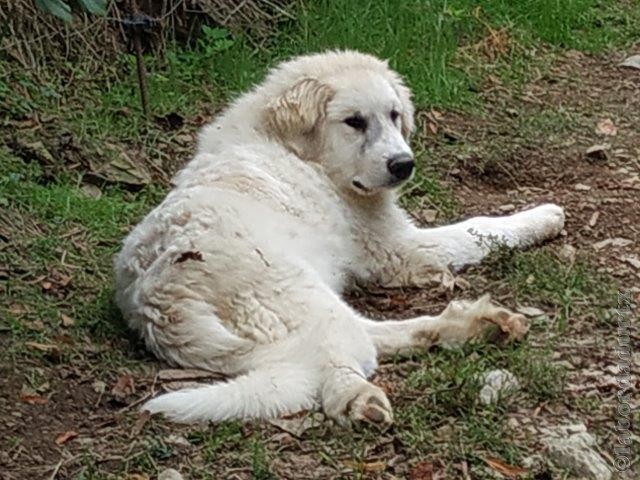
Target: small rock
(581,187)
(631,62)
(570,446)
(497,384)
(594,219)
(170,474)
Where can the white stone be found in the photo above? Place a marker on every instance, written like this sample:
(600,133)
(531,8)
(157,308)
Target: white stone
(170,474)
(497,384)
(570,446)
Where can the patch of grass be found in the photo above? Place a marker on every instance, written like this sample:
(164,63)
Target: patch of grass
(541,277)
(62,244)
(444,418)
(224,436)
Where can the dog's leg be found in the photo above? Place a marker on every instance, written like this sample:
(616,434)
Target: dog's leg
(461,321)
(468,242)
(407,255)
(347,396)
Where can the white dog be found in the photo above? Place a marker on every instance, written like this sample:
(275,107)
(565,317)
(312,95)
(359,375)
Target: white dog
(290,197)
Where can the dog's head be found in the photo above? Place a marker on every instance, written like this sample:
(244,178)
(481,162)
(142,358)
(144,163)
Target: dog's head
(356,122)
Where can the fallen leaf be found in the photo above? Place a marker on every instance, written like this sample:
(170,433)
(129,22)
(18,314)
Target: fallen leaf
(99,386)
(632,260)
(64,437)
(429,215)
(367,467)
(121,169)
(631,62)
(530,311)
(91,191)
(614,242)
(423,471)
(606,127)
(594,219)
(67,321)
(141,421)
(34,399)
(124,386)
(296,425)
(137,476)
(507,470)
(580,187)
(44,347)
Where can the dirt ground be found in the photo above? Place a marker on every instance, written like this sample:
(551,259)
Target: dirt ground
(529,147)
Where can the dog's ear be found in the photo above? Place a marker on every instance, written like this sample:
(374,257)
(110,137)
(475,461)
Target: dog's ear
(296,115)
(404,94)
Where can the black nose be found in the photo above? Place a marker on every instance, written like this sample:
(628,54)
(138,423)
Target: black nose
(401,166)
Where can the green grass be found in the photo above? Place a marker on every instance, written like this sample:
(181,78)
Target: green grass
(57,229)
(541,277)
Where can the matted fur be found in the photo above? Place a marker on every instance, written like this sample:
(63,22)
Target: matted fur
(239,270)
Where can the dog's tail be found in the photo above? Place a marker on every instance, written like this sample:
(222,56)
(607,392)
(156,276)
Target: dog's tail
(266,392)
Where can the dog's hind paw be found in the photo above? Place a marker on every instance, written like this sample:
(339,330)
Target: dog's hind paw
(511,326)
(371,406)
(481,319)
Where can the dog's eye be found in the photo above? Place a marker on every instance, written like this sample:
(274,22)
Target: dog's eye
(357,122)
(394,116)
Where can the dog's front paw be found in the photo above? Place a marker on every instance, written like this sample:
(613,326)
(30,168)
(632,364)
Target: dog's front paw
(541,223)
(510,326)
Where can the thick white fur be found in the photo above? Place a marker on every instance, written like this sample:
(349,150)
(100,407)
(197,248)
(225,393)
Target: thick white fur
(240,268)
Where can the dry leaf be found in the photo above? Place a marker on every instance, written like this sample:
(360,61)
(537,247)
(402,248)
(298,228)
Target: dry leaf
(631,62)
(632,260)
(124,386)
(606,127)
(296,425)
(34,399)
(64,437)
(141,421)
(368,467)
(44,347)
(137,476)
(530,311)
(67,321)
(614,242)
(426,471)
(507,470)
